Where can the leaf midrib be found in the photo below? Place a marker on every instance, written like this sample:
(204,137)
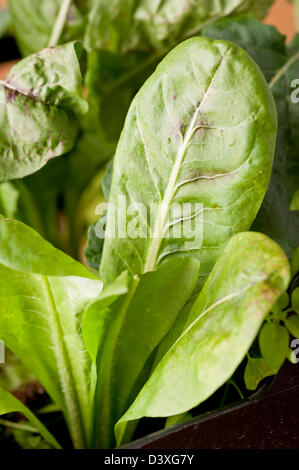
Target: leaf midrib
(156,239)
(65,370)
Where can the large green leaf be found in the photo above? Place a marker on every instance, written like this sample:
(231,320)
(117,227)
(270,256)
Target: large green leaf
(127,330)
(199,136)
(247,279)
(10,404)
(121,26)
(42,295)
(33,22)
(40,102)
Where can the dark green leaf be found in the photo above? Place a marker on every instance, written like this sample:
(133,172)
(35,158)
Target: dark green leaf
(10,404)
(94,249)
(292,325)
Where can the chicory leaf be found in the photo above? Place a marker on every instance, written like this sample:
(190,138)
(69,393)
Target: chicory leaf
(197,148)
(9,196)
(40,103)
(10,404)
(248,277)
(43,294)
(138,322)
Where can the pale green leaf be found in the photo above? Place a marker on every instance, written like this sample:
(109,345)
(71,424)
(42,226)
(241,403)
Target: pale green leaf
(292,325)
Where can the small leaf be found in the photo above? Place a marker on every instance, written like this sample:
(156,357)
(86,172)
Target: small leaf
(138,322)
(10,404)
(9,197)
(274,344)
(256,370)
(94,248)
(292,324)
(295,300)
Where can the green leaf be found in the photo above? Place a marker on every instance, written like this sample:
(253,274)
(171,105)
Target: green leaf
(28,440)
(40,103)
(5,21)
(94,248)
(98,315)
(10,404)
(9,197)
(33,22)
(292,324)
(138,324)
(177,419)
(192,107)
(295,300)
(248,277)
(43,294)
(256,370)
(295,262)
(274,344)
(123,26)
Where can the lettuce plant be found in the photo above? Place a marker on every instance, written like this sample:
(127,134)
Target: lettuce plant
(164,320)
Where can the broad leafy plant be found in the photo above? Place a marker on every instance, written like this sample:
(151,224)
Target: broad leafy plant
(163,320)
